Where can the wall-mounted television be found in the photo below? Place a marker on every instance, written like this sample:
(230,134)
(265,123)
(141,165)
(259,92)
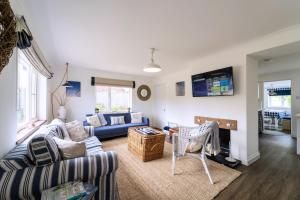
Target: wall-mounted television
(214,83)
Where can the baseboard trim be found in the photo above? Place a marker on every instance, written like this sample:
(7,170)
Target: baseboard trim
(252,158)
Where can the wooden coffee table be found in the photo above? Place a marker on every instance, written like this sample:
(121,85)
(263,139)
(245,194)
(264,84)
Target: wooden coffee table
(146,147)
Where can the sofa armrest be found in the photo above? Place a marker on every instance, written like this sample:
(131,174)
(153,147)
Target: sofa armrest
(89,130)
(28,183)
(146,120)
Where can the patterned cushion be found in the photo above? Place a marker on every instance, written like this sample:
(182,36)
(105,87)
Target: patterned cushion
(117,120)
(76,131)
(17,158)
(42,148)
(102,119)
(136,117)
(93,120)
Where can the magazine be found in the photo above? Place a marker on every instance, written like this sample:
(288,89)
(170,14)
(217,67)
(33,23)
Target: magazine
(67,191)
(147,131)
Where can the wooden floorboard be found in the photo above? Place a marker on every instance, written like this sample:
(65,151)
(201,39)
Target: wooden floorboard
(276,175)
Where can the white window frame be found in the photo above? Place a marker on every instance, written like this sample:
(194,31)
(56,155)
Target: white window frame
(22,58)
(109,99)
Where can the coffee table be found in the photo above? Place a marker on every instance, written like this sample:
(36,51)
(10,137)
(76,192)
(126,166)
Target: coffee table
(146,147)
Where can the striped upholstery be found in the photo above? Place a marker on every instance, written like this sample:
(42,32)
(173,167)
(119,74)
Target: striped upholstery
(42,148)
(89,130)
(17,158)
(28,183)
(93,146)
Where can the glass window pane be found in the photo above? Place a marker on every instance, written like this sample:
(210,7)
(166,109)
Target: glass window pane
(23,91)
(102,98)
(120,99)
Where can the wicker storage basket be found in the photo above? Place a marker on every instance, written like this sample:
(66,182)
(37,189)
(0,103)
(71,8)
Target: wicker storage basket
(146,147)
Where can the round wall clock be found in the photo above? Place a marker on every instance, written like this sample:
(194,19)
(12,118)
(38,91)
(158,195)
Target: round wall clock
(144,92)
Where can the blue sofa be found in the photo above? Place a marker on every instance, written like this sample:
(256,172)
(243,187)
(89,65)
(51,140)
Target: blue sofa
(110,131)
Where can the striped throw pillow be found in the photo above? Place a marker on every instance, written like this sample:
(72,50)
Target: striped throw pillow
(117,120)
(42,148)
(16,159)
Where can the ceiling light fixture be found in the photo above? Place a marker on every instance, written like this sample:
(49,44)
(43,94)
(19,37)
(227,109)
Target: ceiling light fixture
(67,83)
(152,67)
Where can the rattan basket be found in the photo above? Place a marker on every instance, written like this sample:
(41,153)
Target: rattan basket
(146,147)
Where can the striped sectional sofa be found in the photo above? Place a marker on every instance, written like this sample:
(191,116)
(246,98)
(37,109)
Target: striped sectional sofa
(21,178)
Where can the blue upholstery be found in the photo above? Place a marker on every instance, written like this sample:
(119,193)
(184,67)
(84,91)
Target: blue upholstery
(110,131)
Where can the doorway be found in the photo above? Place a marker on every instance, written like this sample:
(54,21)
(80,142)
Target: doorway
(276,107)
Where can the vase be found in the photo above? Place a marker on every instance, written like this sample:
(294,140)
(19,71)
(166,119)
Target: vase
(62,112)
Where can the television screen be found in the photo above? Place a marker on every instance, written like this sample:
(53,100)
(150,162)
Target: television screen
(213,83)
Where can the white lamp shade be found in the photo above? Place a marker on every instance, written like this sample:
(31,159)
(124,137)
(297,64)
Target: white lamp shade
(152,67)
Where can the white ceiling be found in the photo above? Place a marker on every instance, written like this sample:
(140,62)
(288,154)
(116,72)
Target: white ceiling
(277,52)
(115,35)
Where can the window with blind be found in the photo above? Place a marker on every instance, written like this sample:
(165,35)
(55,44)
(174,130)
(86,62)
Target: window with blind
(113,99)
(28,94)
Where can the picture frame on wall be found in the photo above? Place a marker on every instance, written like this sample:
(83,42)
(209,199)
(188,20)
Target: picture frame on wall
(74,90)
(180,88)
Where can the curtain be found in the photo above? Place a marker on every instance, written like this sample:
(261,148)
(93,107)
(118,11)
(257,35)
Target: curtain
(31,49)
(112,82)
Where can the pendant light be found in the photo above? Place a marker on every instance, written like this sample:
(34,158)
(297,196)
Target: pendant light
(67,83)
(152,67)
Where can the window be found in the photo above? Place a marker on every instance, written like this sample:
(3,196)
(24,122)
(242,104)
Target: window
(26,91)
(279,101)
(113,99)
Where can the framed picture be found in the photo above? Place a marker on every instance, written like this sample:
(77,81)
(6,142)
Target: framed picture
(74,90)
(180,88)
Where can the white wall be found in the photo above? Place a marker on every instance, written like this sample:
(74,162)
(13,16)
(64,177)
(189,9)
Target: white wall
(242,106)
(292,75)
(8,114)
(78,107)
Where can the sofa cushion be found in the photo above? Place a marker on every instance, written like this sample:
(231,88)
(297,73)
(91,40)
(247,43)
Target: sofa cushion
(93,146)
(114,120)
(42,148)
(94,120)
(102,119)
(17,158)
(76,131)
(136,117)
(127,117)
(69,149)
(63,128)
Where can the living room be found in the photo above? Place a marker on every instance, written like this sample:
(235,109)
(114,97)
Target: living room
(104,49)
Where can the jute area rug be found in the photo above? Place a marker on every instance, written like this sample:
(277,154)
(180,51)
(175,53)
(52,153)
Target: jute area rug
(154,180)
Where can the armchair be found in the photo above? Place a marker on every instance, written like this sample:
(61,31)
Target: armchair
(185,136)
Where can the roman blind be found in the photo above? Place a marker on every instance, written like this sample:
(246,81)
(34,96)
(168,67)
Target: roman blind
(31,50)
(279,91)
(112,82)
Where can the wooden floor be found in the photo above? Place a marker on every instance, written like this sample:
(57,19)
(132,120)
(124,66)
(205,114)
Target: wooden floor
(276,175)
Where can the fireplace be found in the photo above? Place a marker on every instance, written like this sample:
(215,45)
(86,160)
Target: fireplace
(224,135)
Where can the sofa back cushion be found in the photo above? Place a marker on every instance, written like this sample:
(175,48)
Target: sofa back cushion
(16,159)
(42,148)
